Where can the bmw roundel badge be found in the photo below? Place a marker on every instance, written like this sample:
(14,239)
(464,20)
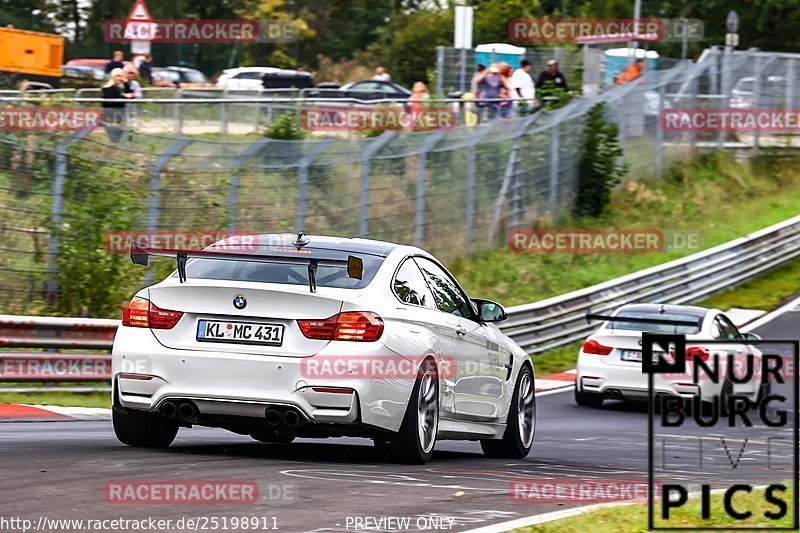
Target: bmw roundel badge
(239,302)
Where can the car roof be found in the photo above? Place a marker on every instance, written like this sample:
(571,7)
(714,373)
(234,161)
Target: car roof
(689,310)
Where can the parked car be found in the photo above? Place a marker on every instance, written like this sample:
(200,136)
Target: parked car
(81,77)
(288,79)
(240,338)
(773,92)
(365,90)
(164,77)
(244,78)
(190,77)
(610,361)
(98,64)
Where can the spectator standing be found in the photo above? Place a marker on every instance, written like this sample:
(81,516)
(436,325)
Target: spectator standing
(493,85)
(116,61)
(132,85)
(552,74)
(114,111)
(381,75)
(631,72)
(419,93)
(146,69)
(473,85)
(522,86)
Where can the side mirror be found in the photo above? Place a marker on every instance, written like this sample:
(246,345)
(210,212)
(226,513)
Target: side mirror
(489,311)
(751,337)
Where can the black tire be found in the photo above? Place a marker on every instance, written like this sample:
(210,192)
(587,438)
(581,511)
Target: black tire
(144,430)
(513,445)
(405,446)
(588,399)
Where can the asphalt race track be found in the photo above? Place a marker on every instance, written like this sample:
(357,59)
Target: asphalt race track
(59,470)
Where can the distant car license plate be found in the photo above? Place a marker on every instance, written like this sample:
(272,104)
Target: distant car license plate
(636,355)
(240,332)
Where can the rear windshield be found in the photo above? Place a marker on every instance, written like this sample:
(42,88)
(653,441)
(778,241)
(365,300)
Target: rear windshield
(284,273)
(655,328)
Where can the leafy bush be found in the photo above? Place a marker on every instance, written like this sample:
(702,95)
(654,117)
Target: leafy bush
(286,127)
(600,168)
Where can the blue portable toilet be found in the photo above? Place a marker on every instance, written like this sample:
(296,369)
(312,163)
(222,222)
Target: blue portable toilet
(486,54)
(617,59)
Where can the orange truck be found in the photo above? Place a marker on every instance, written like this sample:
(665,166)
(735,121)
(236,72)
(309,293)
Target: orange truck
(30,55)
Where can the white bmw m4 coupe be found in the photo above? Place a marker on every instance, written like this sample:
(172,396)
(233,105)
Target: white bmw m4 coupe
(305,336)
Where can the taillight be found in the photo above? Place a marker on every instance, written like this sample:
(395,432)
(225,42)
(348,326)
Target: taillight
(359,326)
(594,347)
(696,351)
(142,313)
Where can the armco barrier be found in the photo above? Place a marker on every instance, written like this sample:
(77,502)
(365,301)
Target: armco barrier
(53,333)
(536,327)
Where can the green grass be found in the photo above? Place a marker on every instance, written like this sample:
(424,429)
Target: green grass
(715,195)
(629,518)
(66,399)
(764,292)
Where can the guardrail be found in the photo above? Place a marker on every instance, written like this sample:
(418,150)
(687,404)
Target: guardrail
(536,327)
(561,320)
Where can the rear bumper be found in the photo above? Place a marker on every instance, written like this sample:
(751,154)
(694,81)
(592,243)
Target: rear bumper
(628,381)
(146,374)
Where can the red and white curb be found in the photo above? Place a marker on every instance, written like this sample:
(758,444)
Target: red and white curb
(52,413)
(555,382)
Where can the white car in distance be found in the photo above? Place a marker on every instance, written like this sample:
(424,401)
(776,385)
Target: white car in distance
(610,360)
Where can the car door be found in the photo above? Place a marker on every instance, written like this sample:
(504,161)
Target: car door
(429,330)
(478,391)
(740,350)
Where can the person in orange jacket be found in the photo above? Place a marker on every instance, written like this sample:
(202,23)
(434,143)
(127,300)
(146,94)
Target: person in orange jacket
(631,72)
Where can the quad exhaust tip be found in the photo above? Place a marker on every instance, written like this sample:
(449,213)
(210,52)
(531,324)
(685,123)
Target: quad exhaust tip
(288,417)
(185,411)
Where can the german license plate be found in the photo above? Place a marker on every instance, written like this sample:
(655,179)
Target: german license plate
(240,332)
(636,356)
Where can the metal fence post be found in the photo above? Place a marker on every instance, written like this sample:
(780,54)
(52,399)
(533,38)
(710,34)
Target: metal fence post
(154,191)
(694,88)
(370,151)
(759,68)
(510,178)
(419,214)
(790,75)
(439,70)
(659,130)
(552,196)
(302,181)
(57,210)
(233,194)
(471,164)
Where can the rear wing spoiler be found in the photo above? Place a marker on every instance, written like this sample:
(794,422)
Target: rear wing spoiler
(670,322)
(141,253)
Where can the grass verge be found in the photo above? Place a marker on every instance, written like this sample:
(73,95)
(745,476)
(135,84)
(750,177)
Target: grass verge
(625,518)
(709,196)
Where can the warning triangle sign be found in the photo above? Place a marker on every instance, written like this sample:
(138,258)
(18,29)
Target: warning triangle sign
(139,12)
